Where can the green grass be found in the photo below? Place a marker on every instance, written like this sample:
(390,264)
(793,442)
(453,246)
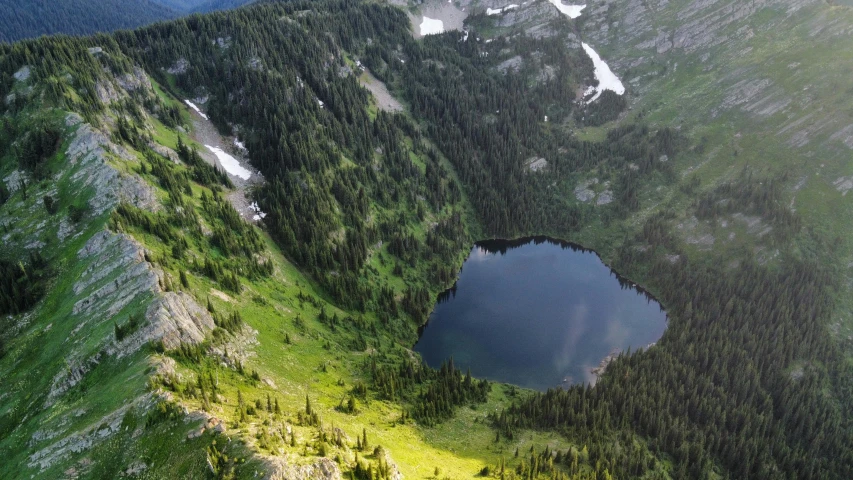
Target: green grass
(320,363)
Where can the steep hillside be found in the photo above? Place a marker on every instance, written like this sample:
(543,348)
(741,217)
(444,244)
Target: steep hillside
(222,233)
(756,90)
(757,84)
(168,321)
(32,18)
(75,365)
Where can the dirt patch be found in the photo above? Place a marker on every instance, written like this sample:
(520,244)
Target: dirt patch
(220,295)
(384,100)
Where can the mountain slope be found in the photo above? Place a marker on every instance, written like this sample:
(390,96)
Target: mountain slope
(760,85)
(118,334)
(762,184)
(174,337)
(33,18)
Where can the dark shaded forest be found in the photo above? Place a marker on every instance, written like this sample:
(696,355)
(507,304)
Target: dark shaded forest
(33,18)
(22,283)
(330,165)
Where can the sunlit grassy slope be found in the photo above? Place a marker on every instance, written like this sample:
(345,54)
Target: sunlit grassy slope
(771,97)
(137,415)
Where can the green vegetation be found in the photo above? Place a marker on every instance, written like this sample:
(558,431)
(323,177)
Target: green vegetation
(368,215)
(21,284)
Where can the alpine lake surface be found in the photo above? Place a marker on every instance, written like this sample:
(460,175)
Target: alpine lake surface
(538,313)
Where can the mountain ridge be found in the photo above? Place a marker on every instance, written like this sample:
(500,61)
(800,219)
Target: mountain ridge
(176,338)
(33,18)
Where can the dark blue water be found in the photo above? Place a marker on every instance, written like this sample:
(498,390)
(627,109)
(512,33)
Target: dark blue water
(537,313)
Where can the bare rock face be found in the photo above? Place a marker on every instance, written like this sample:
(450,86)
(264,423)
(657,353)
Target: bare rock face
(135,468)
(394,471)
(116,271)
(177,318)
(106,92)
(85,439)
(111,90)
(118,257)
(704,30)
(111,281)
(604,198)
(584,194)
(74,372)
(538,11)
(537,164)
(23,74)
(73,119)
(164,151)
(699,24)
(513,63)
(322,469)
(722,38)
(180,66)
(14,179)
(239,347)
(135,80)
(90,150)
(118,274)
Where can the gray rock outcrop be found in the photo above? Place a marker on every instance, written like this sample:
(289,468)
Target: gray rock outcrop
(87,437)
(539,12)
(179,67)
(23,74)
(322,469)
(90,151)
(176,318)
(135,80)
(117,271)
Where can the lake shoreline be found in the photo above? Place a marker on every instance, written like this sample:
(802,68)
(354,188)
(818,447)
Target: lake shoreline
(553,284)
(520,241)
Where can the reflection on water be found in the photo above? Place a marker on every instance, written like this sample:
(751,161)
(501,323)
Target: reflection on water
(537,313)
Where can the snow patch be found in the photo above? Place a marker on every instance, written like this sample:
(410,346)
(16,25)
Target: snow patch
(240,145)
(571,11)
(257,210)
(431,26)
(229,163)
(194,107)
(607,80)
(495,11)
